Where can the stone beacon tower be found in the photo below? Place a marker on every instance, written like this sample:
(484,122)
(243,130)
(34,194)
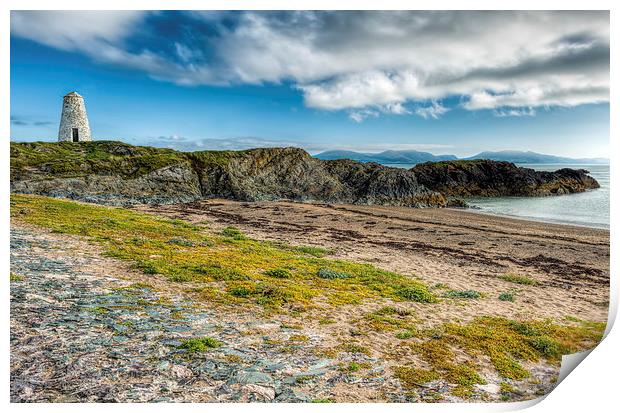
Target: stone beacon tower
(73,121)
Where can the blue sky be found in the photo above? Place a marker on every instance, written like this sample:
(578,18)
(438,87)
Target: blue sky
(367,82)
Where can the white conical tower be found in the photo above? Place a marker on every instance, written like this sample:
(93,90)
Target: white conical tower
(73,121)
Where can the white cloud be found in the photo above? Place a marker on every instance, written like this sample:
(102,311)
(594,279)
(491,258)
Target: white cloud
(171,138)
(363,62)
(503,113)
(394,108)
(102,35)
(250,142)
(359,115)
(75,30)
(435,111)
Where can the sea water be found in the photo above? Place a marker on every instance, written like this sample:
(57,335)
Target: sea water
(590,208)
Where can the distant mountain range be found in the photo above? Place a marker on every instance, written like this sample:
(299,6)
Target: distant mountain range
(386,157)
(415,157)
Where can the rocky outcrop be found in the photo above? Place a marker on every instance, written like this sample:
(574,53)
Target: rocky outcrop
(118,174)
(374,184)
(170,184)
(494,178)
(266,174)
(115,173)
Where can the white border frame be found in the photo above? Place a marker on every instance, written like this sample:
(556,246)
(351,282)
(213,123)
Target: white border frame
(593,386)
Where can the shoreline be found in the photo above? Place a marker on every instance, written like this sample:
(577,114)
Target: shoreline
(478,210)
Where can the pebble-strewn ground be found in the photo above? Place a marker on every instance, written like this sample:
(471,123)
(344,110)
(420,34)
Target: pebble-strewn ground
(79,334)
(87,328)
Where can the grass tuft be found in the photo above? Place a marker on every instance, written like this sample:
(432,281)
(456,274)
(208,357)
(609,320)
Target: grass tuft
(519,279)
(314,251)
(16,277)
(507,297)
(200,344)
(418,293)
(467,294)
(279,273)
(328,274)
(234,233)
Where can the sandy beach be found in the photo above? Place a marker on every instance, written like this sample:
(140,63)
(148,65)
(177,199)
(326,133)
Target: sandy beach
(377,348)
(462,249)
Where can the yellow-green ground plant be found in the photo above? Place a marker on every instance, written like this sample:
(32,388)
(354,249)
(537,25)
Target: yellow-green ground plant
(232,267)
(227,267)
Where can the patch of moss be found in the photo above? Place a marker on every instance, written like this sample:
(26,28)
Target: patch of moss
(302,338)
(464,392)
(411,377)
(303,379)
(328,274)
(234,233)
(181,277)
(147,267)
(418,293)
(314,251)
(200,344)
(388,318)
(466,294)
(279,273)
(98,310)
(269,294)
(519,279)
(443,365)
(507,296)
(140,286)
(16,277)
(507,341)
(233,358)
(504,342)
(404,335)
(353,348)
(354,366)
(464,375)
(505,387)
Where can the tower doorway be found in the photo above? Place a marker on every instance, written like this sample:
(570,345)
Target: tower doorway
(75,135)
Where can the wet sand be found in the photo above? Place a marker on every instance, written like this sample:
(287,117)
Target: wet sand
(461,249)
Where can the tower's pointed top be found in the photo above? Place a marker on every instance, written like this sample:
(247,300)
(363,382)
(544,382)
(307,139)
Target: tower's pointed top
(73,94)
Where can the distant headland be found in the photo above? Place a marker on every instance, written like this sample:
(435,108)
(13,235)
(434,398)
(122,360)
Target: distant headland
(414,157)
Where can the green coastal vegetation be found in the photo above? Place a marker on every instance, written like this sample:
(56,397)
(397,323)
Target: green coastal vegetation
(65,159)
(228,268)
(519,279)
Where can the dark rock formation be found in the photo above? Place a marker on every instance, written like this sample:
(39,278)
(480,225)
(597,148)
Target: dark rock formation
(115,173)
(495,178)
